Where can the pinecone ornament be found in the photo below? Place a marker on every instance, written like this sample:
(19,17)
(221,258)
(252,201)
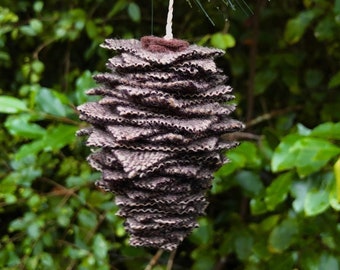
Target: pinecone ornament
(156,134)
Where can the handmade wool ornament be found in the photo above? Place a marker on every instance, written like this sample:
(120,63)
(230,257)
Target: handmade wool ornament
(156,134)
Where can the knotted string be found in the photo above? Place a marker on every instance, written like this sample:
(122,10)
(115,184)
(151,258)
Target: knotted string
(167,44)
(151,17)
(168,34)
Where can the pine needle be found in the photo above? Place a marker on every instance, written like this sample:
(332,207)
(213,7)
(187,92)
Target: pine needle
(205,13)
(229,3)
(247,7)
(242,4)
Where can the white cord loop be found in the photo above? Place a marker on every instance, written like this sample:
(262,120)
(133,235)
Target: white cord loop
(168,34)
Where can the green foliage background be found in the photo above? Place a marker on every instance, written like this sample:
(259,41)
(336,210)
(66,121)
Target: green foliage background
(275,206)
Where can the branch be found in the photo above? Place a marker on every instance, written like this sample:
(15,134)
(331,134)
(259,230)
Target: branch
(240,136)
(272,114)
(171,260)
(154,260)
(41,47)
(253,51)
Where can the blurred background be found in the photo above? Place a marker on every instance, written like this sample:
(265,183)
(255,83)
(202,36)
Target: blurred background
(274,206)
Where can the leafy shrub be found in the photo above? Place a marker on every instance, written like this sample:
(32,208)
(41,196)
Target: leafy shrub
(274,206)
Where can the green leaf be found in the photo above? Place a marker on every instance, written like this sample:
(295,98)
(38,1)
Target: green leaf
(204,261)
(36,26)
(19,125)
(230,167)
(333,200)
(29,148)
(325,29)
(302,130)
(243,244)
(337,178)
(79,17)
(38,6)
(49,102)
(327,130)
(70,24)
(54,139)
(120,231)
(283,236)
(27,30)
(59,136)
(20,224)
(337,6)
(278,189)
(263,79)
(308,155)
(7,16)
(245,155)
(134,12)
(310,260)
(83,83)
(91,29)
(258,206)
(269,223)
(34,229)
(87,218)
(222,41)
(75,253)
(282,261)
(249,152)
(313,154)
(334,81)
(76,181)
(38,66)
(100,247)
(227,243)
(316,202)
(328,240)
(283,158)
(24,172)
(204,233)
(313,78)
(11,105)
(63,218)
(291,80)
(46,260)
(98,199)
(250,182)
(327,261)
(117,7)
(296,27)
(299,191)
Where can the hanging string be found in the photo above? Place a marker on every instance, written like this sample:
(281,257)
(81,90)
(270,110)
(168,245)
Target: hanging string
(151,17)
(168,34)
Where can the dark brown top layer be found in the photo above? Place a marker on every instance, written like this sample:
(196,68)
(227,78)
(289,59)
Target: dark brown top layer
(162,45)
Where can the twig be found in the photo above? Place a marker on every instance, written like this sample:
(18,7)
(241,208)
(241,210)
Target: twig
(41,47)
(272,114)
(67,66)
(171,260)
(241,136)
(253,51)
(154,260)
(60,119)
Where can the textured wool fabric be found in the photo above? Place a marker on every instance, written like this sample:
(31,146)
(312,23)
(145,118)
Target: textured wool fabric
(156,134)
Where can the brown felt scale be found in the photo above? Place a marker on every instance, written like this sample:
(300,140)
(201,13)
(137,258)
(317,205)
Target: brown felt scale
(156,134)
